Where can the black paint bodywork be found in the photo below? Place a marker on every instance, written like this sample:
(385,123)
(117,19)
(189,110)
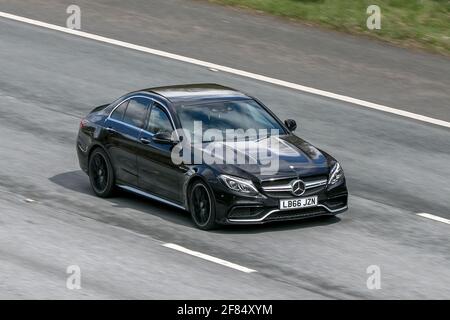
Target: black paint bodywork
(149,169)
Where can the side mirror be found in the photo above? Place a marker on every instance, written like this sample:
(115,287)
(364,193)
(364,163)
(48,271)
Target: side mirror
(163,138)
(290,124)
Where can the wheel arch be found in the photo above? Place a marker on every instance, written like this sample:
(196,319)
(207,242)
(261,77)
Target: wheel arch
(95,147)
(189,183)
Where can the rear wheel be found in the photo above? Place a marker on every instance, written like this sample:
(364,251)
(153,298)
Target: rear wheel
(202,206)
(101,174)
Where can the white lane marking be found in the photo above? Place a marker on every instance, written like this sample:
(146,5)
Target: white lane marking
(208,257)
(433,217)
(213,66)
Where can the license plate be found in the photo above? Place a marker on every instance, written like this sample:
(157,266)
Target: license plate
(289,204)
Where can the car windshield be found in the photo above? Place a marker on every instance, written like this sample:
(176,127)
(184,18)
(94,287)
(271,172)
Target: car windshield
(246,118)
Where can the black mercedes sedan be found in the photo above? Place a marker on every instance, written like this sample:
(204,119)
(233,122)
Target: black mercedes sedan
(211,150)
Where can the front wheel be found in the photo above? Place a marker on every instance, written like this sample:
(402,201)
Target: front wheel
(202,206)
(101,174)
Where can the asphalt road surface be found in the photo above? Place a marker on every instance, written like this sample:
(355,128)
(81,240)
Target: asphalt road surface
(49,219)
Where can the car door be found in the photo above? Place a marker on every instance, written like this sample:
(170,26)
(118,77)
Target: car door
(157,173)
(123,128)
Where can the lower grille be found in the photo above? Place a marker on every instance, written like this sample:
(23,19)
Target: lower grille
(297,214)
(335,203)
(245,212)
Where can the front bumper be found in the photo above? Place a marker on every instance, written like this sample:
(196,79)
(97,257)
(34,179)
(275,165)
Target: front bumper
(232,208)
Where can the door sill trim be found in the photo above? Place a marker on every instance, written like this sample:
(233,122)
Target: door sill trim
(150,196)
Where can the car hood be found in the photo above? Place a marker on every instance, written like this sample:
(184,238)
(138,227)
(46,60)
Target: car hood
(289,156)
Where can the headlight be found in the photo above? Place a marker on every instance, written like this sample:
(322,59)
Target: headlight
(239,184)
(336,174)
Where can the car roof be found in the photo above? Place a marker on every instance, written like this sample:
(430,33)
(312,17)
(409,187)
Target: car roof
(191,93)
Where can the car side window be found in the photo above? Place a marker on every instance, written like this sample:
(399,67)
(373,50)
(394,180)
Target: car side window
(136,112)
(119,111)
(159,121)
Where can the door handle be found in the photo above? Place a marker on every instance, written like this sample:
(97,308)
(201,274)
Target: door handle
(144,140)
(111,130)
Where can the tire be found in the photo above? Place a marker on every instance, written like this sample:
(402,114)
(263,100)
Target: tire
(101,174)
(202,206)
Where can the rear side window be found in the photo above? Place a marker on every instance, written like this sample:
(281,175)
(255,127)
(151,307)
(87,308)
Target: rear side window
(159,121)
(120,111)
(136,112)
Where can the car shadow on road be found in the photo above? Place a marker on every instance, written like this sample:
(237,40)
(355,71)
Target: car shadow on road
(78,181)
